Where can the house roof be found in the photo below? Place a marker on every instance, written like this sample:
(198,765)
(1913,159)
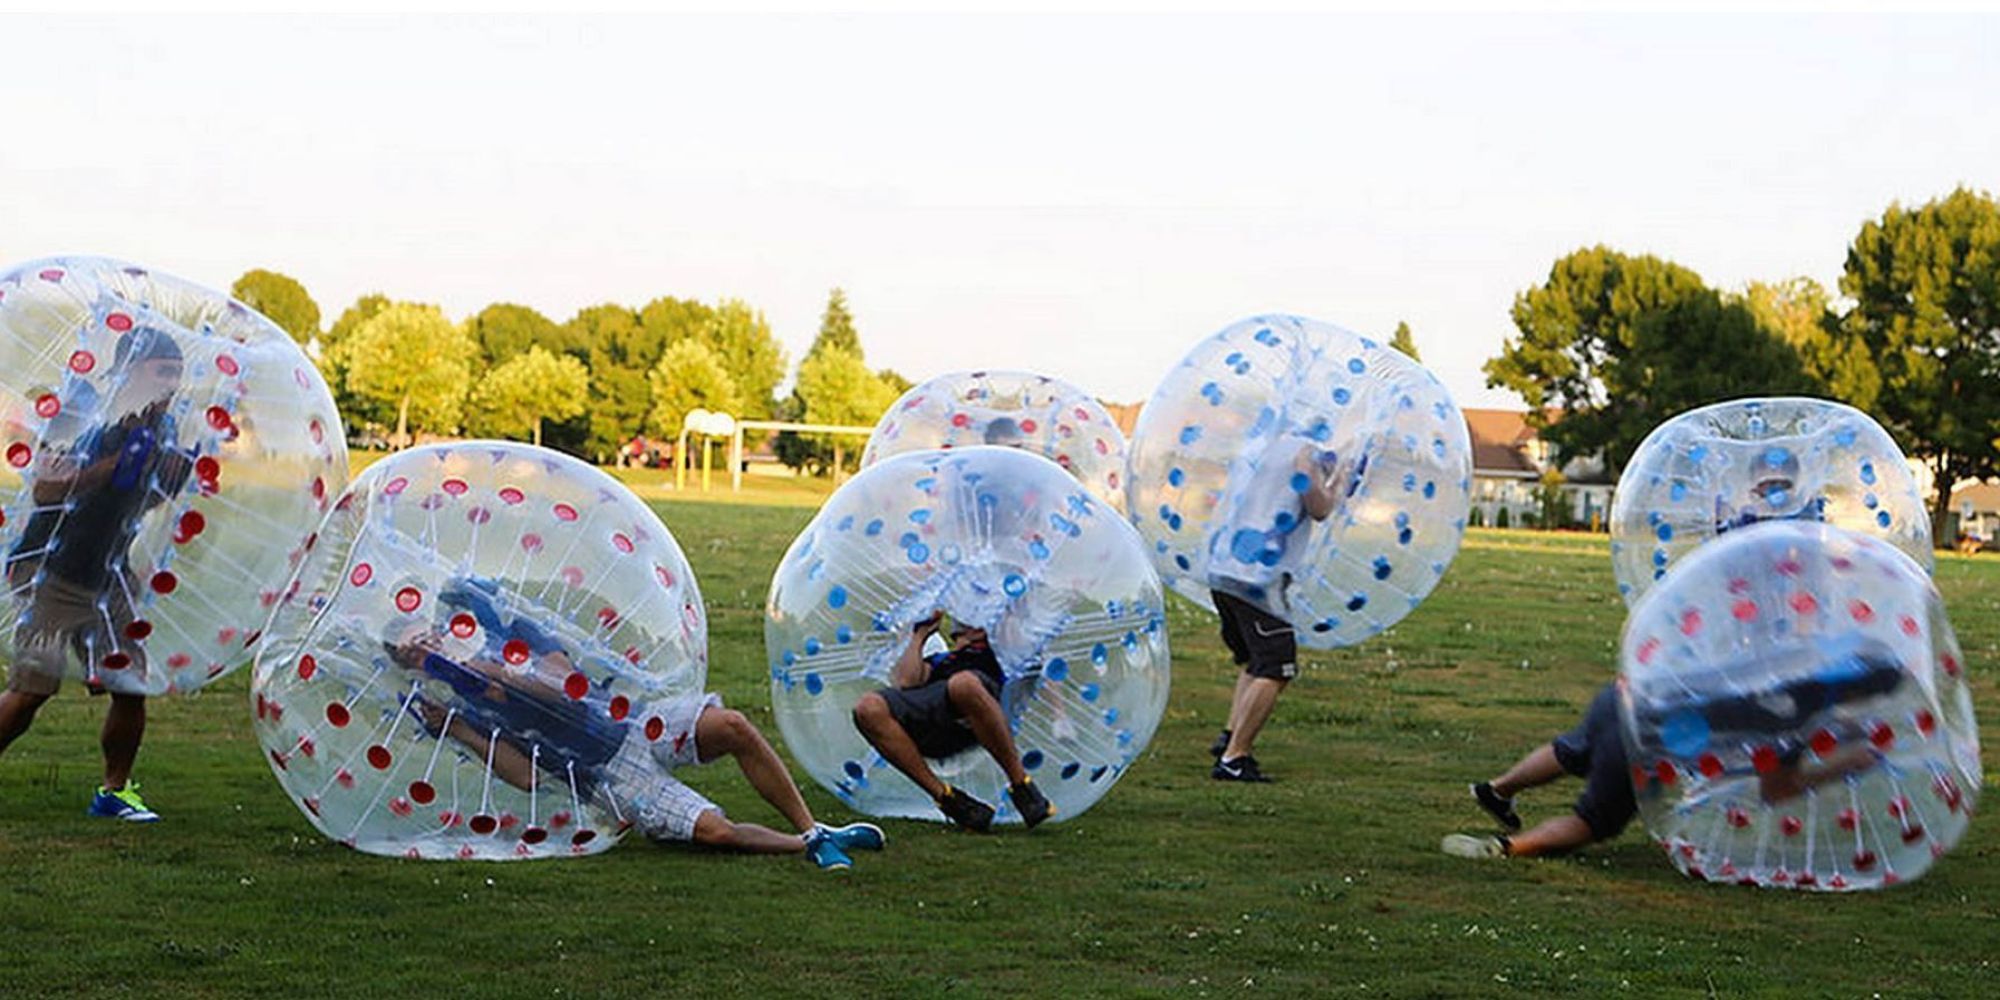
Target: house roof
(1500,440)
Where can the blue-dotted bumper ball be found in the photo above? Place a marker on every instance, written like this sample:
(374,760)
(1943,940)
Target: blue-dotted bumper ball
(475,658)
(1273,407)
(1723,467)
(167,451)
(1035,413)
(1796,713)
(1000,540)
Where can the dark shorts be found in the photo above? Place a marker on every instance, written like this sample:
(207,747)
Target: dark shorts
(1595,752)
(927,714)
(1263,643)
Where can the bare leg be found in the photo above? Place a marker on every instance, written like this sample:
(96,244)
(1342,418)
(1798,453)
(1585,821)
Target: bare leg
(721,731)
(124,727)
(1538,768)
(1236,701)
(17,713)
(1255,701)
(989,723)
(1551,836)
(886,735)
(712,829)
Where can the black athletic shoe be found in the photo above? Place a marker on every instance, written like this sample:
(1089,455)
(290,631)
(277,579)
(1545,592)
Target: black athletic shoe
(1502,810)
(965,810)
(1033,805)
(1220,746)
(1243,768)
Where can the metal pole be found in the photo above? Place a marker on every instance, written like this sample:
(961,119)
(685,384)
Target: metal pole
(705,450)
(736,460)
(680,461)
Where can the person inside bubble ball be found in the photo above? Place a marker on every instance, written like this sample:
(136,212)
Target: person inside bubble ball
(1297,481)
(1774,488)
(521,719)
(1595,751)
(944,699)
(1004,432)
(71,570)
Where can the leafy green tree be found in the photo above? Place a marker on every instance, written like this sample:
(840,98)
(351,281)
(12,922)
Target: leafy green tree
(355,411)
(363,309)
(1926,288)
(895,381)
(836,327)
(837,388)
(1405,341)
(622,352)
(741,337)
(1616,343)
(689,377)
(413,361)
(282,300)
(1799,312)
(1549,499)
(504,331)
(533,386)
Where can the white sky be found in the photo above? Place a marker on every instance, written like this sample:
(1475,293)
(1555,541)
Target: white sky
(1082,196)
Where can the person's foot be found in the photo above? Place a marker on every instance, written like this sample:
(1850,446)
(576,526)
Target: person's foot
(124,804)
(1501,809)
(1242,768)
(857,836)
(1465,845)
(825,852)
(1033,805)
(1220,746)
(965,810)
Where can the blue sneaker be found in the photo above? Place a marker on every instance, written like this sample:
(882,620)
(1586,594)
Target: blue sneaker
(124,804)
(858,836)
(825,853)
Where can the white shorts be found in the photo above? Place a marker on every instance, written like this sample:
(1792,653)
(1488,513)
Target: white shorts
(639,778)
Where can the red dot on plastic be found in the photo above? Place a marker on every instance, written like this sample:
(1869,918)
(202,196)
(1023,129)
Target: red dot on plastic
(47,405)
(361,574)
(395,486)
(531,542)
(1909,626)
(607,617)
(508,821)
(534,835)
(1028,426)
(227,365)
(1103,447)
(191,524)
(1791,825)
(1709,764)
(422,793)
(119,322)
(654,727)
(1926,722)
(1737,817)
(179,660)
(665,576)
(621,706)
(307,667)
(479,515)
(583,837)
(1764,759)
(1864,860)
(138,628)
(409,599)
(565,512)
(1690,621)
(218,418)
(319,488)
(1823,742)
(164,582)
(117,661)
(82,362)
(1860,611)
(514,651)
(401,807)
(622,542)
(379,757)
(1664,771)
(1648,649)
(207,469)
(1950,664)
(483,824)
(19,455)
(576,685)
(1882,736)
(337,714)
(960,420)
(511,496)
(572,575)
(1744,610)
(463,625)
(1914,833)
(1804,603)
(455,487)
(1847,819)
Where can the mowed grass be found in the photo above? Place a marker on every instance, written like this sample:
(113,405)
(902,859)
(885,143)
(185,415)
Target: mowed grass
(1328,883)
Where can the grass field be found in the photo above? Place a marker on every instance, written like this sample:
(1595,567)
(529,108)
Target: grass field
(1328,883)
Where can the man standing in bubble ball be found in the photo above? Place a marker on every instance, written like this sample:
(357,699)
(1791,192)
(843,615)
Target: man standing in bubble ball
(1296,481)
(944,700)
(70,570)
(494,706)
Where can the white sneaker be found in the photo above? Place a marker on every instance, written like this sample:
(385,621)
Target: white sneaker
(1463,845)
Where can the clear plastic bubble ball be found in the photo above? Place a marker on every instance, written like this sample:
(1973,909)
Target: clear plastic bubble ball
(1035,413)
(1796,713)
(475,656)
(1266,419)
(1000,540)
(1721,467)
(167,451)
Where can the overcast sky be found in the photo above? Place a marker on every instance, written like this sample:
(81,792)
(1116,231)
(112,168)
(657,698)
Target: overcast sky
(1080,196)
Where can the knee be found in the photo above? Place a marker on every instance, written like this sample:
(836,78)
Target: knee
(967,689)
(871,712)
(712,830)
(737,728)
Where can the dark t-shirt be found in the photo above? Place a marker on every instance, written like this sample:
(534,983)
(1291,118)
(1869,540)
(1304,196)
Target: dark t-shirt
(86,543)
(979,658)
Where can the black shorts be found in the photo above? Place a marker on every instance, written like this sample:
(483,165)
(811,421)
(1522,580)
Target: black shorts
(933,722)
(1595,752)
(1263,643)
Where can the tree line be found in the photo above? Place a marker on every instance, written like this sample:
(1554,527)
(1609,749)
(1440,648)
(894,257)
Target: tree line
(589,385)
(1612,343)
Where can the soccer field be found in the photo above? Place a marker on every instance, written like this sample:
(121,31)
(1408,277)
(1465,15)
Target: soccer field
(1326,883)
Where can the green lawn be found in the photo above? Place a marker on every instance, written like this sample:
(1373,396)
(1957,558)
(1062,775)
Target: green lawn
(1326,883)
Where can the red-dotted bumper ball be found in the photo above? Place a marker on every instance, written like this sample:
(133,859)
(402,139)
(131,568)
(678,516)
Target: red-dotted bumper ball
(1009,409)
(474,659)
(1796,713)
(168,451)
(1724,467)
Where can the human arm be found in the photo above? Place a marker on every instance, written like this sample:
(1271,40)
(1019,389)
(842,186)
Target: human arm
(509,763)
(1321,495)
(1789,781)
(911,668)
